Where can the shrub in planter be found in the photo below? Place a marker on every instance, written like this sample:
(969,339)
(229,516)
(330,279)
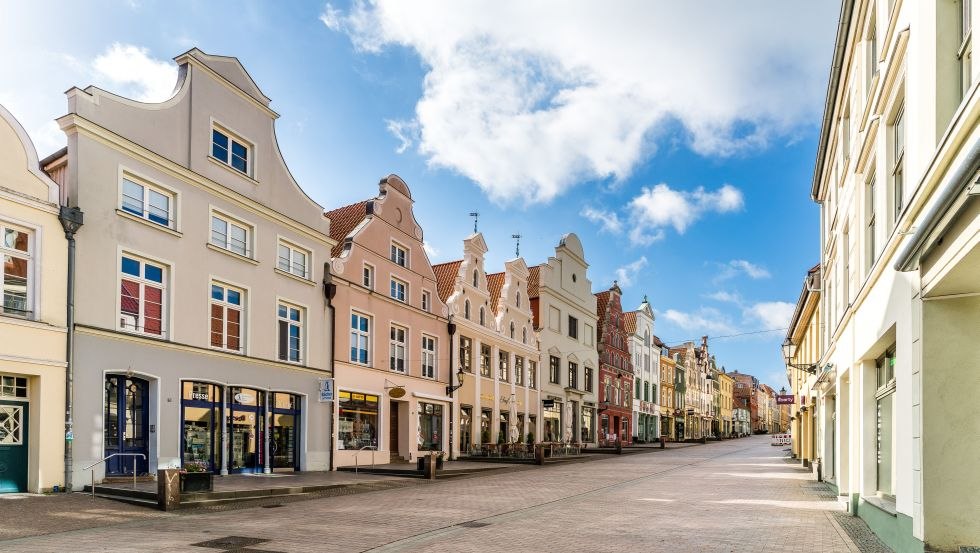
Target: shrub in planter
(530,438)
(195,476)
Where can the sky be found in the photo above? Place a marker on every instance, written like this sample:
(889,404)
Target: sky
(676,139)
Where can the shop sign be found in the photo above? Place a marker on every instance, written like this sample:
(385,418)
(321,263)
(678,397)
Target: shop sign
(785,399)
(326,390)
(201,396)
(242,397)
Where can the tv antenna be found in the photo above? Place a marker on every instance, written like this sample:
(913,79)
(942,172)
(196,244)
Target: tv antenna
(517,237)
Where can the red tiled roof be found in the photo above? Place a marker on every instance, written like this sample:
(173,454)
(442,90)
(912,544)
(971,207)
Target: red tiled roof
(446,278)
(602,298)
(533,276)
(342,221)
(495,283)
(658,342)
(629,322)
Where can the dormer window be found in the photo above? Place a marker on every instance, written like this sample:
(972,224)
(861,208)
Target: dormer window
(230,150)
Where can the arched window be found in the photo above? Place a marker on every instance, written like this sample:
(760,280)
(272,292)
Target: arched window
(483,318)
(466,310)
(476,276)
(512,330)
(518,299)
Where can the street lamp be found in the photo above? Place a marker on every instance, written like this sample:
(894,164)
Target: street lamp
(789,351)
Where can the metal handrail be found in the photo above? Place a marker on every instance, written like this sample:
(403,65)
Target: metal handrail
(95,464)
(373,448)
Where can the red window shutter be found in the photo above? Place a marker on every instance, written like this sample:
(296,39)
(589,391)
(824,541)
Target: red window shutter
(217,326)
(153,310)
(234,329)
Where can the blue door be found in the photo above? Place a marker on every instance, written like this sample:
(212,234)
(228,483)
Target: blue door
(13,446)
(127,424)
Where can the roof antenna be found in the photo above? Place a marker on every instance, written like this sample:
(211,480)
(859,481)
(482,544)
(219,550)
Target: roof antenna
(476,218)
(518,249)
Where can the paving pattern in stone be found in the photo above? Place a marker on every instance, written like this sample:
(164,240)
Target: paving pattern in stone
(728,496)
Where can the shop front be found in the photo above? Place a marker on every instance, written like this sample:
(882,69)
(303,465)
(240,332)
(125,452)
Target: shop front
(551,412)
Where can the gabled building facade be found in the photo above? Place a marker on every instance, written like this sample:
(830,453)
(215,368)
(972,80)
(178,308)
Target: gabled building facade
(497,349)
(668,398)
(392,374)
(565,318)
(201,328)
(615,370)
(646,366)
(33,284)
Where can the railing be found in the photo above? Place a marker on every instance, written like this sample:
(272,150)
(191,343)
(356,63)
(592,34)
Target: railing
(562,449)
(95,464)
(370,447)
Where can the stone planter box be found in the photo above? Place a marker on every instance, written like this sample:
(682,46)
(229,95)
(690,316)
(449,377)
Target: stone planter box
(191,482)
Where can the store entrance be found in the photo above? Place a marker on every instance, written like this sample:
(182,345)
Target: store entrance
(127,423)
(246,430)
(200,417)
(284,442)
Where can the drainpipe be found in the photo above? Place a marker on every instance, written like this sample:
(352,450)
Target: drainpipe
(329,291)
(451,327)
(71,221)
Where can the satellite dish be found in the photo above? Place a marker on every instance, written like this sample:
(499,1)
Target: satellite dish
(396,392)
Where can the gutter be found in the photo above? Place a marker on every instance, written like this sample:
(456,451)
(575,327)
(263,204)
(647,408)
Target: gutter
(958,182)
(843,27)
(329,291)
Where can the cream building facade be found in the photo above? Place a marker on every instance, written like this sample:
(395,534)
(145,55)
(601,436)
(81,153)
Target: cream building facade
(202,332)
(646,368)
(497,349)
(900,227)
(33,284)
(565,318)
(803,349)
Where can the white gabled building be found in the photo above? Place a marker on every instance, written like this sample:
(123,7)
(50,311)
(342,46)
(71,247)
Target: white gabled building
(646,368)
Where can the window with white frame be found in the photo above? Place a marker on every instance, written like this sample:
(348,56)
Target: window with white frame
(428,357)
(367,276)
(396,348)
(871,38)
(398,290)
(871,228)
(227,310)
(16,251)
(964,53)
(142,296)
(291,319)
(426,300)
(885,422)
(293,259)
(147,201)
(230,150)
(518,370)
(360,338)
(466,354)
(503,366)
(13,386)
(898,164)
(231,235)
(399,254)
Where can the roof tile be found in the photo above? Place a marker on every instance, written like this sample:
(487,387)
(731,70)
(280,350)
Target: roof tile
(446,278)
(342,221)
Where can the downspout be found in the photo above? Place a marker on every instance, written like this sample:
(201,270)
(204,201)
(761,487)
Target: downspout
(71,221)
(451,327)
(329,291)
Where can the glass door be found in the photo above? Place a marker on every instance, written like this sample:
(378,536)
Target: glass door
(201,422)
(126,424)
(284,443)
(246,430)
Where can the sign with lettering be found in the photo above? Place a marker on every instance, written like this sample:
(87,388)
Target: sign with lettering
(327,391)
(199,396)
(785,399)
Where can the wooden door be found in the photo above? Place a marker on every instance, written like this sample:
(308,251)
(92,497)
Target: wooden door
(393,429)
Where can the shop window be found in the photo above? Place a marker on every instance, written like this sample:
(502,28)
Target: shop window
(465,428)
(285,431)
(430,427)
(552,421)
(357,422)
(201,416)
(885,422)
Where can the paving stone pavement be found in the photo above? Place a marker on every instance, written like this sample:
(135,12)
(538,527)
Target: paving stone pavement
(729,496)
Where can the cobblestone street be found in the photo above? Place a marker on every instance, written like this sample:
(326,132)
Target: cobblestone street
(739,495)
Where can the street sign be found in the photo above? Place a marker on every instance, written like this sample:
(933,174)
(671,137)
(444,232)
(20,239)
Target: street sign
(785,399)
(326,390)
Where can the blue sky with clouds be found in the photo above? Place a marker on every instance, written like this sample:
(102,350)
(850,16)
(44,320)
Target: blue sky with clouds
(677,141)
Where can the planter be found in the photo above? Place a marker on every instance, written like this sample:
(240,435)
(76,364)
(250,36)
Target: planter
(420,462)
(191,482)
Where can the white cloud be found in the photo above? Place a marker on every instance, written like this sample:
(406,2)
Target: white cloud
(706,320)
(771,314)
(430,250)
(529,98)
(608,220)
(404,131)
(740,266)
(725,297)
(661,206)
(140,76)
(626,274)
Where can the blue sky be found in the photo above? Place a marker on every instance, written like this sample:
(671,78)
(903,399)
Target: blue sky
(677,142)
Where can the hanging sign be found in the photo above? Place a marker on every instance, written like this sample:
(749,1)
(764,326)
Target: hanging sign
(326,390)
(785,399)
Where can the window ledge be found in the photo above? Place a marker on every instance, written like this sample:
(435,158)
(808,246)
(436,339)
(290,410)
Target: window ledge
(294,277)
(230,253)
(148,223)
(883,504)
(234,171)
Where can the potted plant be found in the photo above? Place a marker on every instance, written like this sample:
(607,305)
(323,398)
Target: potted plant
(485,436)
(530,438)
(195,476)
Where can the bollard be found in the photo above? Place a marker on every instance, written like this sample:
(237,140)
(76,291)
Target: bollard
(538,454)
(663,442)
(168,489)
(429,466)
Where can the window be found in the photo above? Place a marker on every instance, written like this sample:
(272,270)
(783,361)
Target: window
(872,229)
(518,298)
(965,51)
(845,131)
(572,327)
(636,387)
(396,349)
(512,330)
(398,289)
(572,375)
(226,317)
(428,357)
(485,361)
(898,163)
(358,415)
(399,255)
(554,319)
(553,370)
(503,366)
(466,354)
(532,374)
(524,335)
(884,428)
(142,292)
(147,202)
(290,332)
(483,316)
(228,234)
(589,378)
(476,278)
(466,309)
(367,277)
(518,370)
(426,301)
(360,338)
(16,250)
(230,150)
(13,386)
(589,332)
(294,260)
(872,61)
